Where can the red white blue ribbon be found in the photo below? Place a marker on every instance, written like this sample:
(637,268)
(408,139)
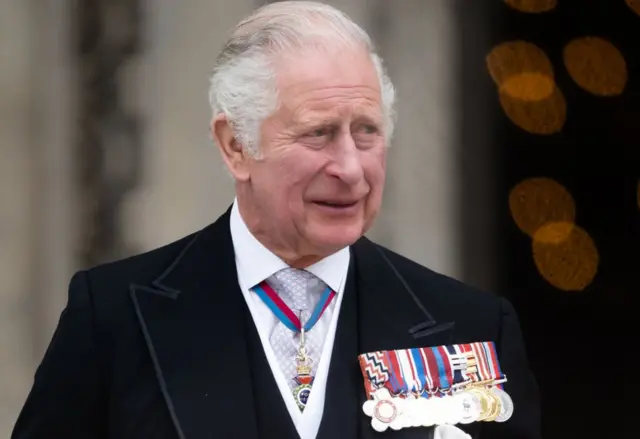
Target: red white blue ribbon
(282,311)
(431,370)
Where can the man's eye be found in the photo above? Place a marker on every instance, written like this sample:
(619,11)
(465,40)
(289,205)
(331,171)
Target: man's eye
(369,129)
(320,132)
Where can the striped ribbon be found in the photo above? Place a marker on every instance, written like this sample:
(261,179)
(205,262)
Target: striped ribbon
(430,370)
(282,311)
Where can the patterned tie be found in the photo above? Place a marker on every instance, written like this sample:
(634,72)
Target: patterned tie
(301,291)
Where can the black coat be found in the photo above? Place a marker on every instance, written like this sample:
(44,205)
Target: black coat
(155,346)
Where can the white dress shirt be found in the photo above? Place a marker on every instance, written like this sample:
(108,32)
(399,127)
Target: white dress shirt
(255,263)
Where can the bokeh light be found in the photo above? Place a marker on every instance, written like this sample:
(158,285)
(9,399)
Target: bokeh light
(532,6)
(554,232)
(538,201)
(546,116)
(569,264)
(634,5)
(517,57)
(596,65)
(526,87)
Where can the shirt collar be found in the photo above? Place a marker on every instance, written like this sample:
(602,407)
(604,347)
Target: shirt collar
(256,263)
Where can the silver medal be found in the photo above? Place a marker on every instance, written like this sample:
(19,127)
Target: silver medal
(506,408)
(412,415)
(427,413)
(470,407)
(438,410)
(452,410)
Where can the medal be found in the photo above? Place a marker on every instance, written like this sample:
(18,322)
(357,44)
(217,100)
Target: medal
(384,410)
(485,403)
(470,406)
(429,411)
(303,378)
(413,411)
(495,405)
(506,408)
(440,385)
(452,410)
(442,373)
(304,364)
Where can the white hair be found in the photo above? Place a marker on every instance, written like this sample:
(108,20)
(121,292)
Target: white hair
(243,82)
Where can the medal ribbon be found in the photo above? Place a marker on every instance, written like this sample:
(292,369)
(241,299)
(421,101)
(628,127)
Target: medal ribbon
(457,361)
(397,381)
(430,369)
(488,364)
(438,356)
(409,371)
(284,313)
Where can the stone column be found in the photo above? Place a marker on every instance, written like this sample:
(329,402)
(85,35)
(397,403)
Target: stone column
(183,184)
(420,211)
(36,192)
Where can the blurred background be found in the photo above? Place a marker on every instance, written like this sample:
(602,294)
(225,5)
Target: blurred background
(515,167)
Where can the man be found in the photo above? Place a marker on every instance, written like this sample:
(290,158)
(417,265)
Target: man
(204,338)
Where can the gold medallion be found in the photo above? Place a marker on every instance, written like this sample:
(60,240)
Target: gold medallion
(485,407)
(495,406)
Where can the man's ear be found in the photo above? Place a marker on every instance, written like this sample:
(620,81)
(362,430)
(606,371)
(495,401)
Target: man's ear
(233,154)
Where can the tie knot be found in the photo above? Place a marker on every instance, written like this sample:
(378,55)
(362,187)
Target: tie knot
(296,287)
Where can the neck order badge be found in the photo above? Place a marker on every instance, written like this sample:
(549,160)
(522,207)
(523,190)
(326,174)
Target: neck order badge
(304,363)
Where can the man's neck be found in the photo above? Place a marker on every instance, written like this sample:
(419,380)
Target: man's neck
(288,255)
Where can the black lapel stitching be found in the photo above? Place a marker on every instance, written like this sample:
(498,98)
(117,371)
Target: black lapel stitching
(440,328)
(158,282)
(430,320)
(168,293)
(156,362)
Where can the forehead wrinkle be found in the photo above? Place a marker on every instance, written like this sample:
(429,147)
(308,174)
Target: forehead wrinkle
(325,109)
(349,91)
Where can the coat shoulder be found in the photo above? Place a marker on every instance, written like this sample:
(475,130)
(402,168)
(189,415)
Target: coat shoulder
(441,288)
(141,268)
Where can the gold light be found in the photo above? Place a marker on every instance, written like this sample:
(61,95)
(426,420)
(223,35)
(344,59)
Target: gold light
(554,232)
(596,65)
(569,264)
(538,201)
(532,6)
(544,117)
(517,57)
(634,5)
(526,87)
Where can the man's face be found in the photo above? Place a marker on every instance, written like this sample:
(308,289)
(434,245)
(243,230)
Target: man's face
(319,181)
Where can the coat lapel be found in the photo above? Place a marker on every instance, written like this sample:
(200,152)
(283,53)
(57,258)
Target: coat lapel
(391,313)
(193,321)
(388,314)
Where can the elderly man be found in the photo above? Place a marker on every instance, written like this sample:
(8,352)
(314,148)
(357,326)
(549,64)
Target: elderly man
(267,323)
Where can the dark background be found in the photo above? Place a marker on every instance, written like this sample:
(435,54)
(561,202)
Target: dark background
(580,344)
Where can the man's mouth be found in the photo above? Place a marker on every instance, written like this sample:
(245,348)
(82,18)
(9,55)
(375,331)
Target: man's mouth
(336,203)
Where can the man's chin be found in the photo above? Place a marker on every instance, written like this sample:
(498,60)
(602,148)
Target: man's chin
(335,238)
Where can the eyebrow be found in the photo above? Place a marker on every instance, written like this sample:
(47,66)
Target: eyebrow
(310,122)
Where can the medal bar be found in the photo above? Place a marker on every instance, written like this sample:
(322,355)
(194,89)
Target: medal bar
(423,387)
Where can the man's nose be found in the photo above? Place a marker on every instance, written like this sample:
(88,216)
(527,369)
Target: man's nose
(346,164)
